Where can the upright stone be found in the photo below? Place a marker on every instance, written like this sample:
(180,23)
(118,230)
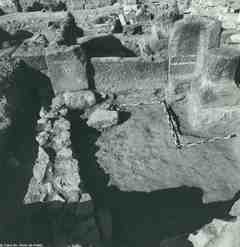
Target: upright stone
(188,45)
(214,100)
(222,64)
(67,67)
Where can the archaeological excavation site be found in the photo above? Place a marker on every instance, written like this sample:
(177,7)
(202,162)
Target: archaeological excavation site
(120,123)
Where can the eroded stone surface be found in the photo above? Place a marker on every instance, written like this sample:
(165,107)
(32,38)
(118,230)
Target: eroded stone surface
(101,119)
(79,100)
(55,173)
(67,64)
(235,210)
(218,233)
(32,51)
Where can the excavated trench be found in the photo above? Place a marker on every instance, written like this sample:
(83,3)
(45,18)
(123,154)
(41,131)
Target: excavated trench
(161,218)
(141,219)
(28,90)
(126,218)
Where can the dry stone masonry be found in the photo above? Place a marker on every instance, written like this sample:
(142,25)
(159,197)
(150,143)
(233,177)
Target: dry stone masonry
(56,171)
(55,174)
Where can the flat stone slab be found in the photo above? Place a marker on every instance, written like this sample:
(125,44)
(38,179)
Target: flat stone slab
(118,74)
(140,155)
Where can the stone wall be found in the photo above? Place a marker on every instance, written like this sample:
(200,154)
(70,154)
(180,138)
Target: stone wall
(89,4)
(120,74)
(103,73)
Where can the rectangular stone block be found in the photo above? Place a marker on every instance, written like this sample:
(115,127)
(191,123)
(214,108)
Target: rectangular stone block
(119,74)
(189,41)
(186,70)
(87,4)
(67,68)
(184,59)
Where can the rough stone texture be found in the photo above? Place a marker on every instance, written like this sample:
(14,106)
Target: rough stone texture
(69,31)
(32,51)
(101,119)
(55,173)
(67,68)
(90,4)
(222,64)
(5,122)
(218,233)
(235,210)
(166,13)
(140,155)
(38,21)
(188,45)
(79,100)
(214,100)
(119,74)
(8,105)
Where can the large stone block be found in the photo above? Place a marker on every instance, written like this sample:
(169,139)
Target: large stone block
(222,64)
(67,68)
(89,4)
(218,233)
(188,44)
(215,98)
(118,74)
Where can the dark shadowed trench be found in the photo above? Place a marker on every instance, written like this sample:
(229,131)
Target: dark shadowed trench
(161,218)
(117,218)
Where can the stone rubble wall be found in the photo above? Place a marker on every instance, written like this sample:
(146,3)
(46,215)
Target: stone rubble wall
(56,171)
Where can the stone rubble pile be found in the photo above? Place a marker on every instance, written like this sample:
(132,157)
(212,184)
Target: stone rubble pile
(56,171)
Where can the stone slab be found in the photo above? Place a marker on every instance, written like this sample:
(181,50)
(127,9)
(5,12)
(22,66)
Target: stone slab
(67,68)
(118,74)
(191,37)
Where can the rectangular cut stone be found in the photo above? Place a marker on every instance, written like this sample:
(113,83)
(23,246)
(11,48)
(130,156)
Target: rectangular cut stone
(183,59)
(67,69)
(119,74)
(87,4)
(185,69)
(190,40)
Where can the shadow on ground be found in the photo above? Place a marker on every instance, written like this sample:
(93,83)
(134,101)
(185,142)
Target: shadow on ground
(137,219)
